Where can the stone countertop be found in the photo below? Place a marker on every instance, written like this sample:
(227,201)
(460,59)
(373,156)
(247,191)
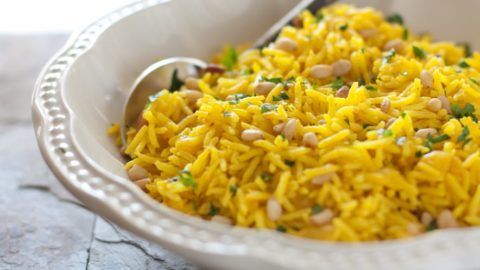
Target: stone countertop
(42,226)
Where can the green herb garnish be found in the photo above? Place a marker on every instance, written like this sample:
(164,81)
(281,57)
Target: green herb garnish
(468,49)
(403,114)
(343,27)
(419,52)
(267,107)
(290,163)
(187,179)
(463,64)
(276,80)
(266,177)
(175,82)
(230,58)
(475,81)
(371,88)
(213,210)
(282,96)
(419,154)
(431,141)
(388,133)
(464,136)
(467,111)
(233,189)
(337,84)
(405,34)
(395,18)
(389,56)
(319,16)
(316,209)
(237,97)
(281,229)
(432,226)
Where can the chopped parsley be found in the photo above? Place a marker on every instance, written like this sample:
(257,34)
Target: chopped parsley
(316,209)
(282,96)
(419,52)
(468,49)
(319,17)
(266,177)
(475,81)
(237,98)
(175,82)
(467,111)
(230,58)
(246,71)
(405,34)
(389,56)
(337,84)
(431,141)
(395,18)
(463,64)
(281,229)
(343,27)
(464,136)
(403,114)
(267,107)
(187,179)
(419,154)
(275,80)
(371,88)
(290,163)
(432,226)
(213,210)
(233,189)
(388,133)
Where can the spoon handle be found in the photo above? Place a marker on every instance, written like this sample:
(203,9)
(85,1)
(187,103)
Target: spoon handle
(272,33)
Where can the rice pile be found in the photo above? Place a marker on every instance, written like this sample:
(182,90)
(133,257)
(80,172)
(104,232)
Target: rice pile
(347,128)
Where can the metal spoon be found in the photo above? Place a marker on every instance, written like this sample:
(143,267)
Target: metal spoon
(159,75)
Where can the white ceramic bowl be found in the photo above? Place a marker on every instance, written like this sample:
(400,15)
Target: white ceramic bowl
(80,92)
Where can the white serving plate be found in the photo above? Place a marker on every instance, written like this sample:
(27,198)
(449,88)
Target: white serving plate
(80,92)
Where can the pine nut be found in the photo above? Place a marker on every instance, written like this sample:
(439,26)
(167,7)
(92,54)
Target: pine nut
(310,140)
(341,67)
(263,88)
(321,71)
(322,179)
(192,95)
(322,218)
(395,44)
(250,135)
(290,129)
(141,183)
(390,122)
(222,220)
(426,78)
(385,106)
(434,105)
(414,229)
(446,104)
(274,209)
(277,129)
(343,92)
(424,132)
(192,83)
(286,44)
(426,219)
(368,33)
(137,172)
(446,220)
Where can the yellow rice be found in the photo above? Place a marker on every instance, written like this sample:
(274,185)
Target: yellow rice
(384,178)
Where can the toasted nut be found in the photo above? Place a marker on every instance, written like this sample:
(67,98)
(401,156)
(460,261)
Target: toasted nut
(286,44)
(343,92)
(141,183)
(426,78)
(446,104)
(263,88)
(322,122)
(446,220)
(386,104)
(277,129)
(390,122)
(341,67)
(192,95)
(310,140)
(426,218)
(368,33)
(274,209)
(434,105)
(298,22)
(215,69)
(222,220)
(250,135)
(322,179)
(192,83)
(321,71)
(424,132)
(395,44)
(290,129)
(137,172)
(414,229)
(322,218)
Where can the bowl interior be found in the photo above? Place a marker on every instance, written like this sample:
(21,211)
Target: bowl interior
(96,84)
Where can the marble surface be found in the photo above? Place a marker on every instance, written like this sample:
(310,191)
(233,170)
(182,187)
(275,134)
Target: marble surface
(41,225)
